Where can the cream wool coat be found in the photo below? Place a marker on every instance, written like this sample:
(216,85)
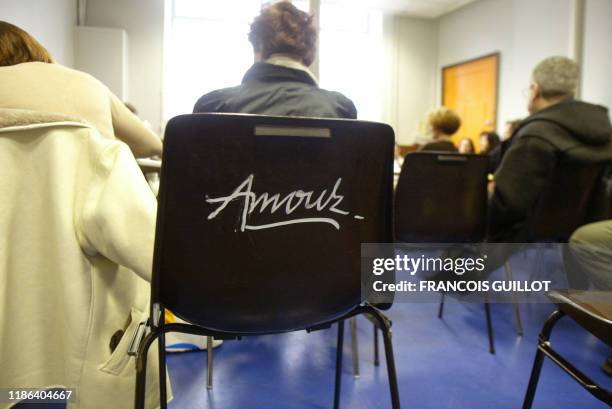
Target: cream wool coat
(42,87)
(77,225)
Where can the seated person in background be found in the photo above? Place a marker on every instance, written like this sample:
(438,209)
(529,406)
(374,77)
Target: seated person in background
(284,40)
(30,80)
(398,159)
(489,141)
(559,131)
(466,145)
(490,145)
(508,135)
(442,124)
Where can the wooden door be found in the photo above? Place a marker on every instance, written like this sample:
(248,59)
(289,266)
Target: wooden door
(470,89)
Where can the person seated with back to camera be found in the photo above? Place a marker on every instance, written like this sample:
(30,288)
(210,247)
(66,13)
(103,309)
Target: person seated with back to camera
(442,123)
(31,80)
(279,83)
(559,131)
(78,227)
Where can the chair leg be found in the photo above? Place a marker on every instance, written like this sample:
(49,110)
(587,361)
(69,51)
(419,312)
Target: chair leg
(515,307)
(489,325)
(355,347)
(161,345)
(539,264)
(339,347)
(209,369)
(441,308)
(141,370)
(376,354)
(385,326)
(539,358)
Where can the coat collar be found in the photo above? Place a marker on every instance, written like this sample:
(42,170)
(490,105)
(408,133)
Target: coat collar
(10,118)
(267,72)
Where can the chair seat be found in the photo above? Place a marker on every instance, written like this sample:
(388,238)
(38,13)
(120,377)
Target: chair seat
(590,309)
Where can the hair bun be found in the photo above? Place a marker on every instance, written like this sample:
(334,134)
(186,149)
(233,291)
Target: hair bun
(282,28)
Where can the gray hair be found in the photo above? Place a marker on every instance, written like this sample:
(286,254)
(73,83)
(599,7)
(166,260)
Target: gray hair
(557,77)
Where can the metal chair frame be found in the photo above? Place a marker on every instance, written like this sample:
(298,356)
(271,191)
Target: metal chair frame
(141,345)
(545,350)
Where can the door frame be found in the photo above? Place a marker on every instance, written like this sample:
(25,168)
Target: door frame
(497,55)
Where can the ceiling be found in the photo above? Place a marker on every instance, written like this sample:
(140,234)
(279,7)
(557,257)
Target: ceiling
(419,8)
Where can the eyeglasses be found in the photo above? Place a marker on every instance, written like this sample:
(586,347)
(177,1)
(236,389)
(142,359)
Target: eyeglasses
(526,91)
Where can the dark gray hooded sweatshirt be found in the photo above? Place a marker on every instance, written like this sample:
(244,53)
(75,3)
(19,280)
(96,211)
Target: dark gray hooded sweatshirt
(562,137)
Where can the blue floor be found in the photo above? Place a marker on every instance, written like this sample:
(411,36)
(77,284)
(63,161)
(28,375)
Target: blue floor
(441,364)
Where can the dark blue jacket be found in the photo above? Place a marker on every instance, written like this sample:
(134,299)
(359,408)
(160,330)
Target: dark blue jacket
(269,89)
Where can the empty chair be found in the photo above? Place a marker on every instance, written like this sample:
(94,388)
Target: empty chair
(260,225)
(441,198)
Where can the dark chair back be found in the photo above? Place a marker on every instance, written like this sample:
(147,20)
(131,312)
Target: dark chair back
(575,197)
(441,198)
(261,219)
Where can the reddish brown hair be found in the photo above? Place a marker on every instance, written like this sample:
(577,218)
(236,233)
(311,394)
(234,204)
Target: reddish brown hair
(445,120)
(17,46)
(282,28)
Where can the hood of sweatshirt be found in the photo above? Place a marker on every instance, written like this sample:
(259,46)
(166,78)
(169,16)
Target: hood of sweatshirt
(586,122)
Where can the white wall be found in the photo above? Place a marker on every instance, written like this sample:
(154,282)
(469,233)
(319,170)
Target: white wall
(143,20)
(523,31)
(102,52)
(51,22)
(412,55)
(597,53)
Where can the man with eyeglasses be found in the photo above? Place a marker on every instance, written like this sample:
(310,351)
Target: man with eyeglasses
(560,130)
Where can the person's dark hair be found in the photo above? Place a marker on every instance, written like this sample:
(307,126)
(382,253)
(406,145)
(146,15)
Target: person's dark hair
(493,140)
(282,28)
(513,125)
(470,142)
(17,46)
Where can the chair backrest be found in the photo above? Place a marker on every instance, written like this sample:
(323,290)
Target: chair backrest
(570,201)
(441,198)
(261,219)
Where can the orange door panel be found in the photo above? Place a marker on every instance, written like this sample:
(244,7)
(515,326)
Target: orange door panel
(470,89)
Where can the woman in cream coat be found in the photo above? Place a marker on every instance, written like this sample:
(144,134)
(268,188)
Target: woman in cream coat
(30,80)
(74,265)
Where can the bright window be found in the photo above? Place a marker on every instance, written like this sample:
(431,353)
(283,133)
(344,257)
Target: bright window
(206,48)
(351,57)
